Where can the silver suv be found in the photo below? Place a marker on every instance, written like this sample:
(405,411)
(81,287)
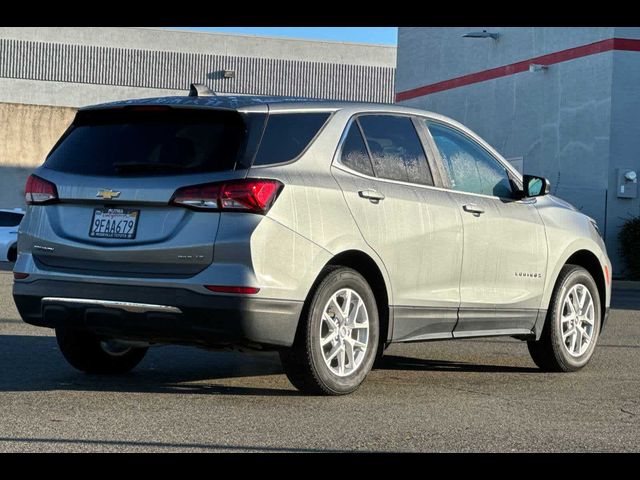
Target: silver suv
(322,230)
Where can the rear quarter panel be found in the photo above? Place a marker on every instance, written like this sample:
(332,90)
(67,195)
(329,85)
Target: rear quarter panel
(311,206)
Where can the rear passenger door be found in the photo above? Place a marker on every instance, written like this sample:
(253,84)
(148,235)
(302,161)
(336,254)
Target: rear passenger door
(504,253)
(384,173)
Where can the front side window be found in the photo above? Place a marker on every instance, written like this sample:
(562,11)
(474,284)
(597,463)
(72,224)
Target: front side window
(469,166)
(396,150)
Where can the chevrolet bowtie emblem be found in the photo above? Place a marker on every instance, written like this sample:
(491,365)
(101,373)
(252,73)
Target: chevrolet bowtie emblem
(107,194)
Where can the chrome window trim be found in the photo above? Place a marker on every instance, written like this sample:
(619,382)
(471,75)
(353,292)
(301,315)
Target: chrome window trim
(339,165)
(346,169)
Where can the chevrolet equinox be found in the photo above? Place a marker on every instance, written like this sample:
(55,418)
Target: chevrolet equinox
(321,230)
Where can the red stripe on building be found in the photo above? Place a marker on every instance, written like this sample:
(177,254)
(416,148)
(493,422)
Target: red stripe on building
(624,44)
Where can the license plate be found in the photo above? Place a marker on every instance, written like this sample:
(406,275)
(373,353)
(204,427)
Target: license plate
(114,223)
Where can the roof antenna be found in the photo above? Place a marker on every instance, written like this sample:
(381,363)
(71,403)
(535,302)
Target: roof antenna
(200,90)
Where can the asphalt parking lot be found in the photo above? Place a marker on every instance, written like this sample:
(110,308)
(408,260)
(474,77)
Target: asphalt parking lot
(469,395)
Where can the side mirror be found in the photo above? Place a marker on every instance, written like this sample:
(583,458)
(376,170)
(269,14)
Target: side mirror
(535,186)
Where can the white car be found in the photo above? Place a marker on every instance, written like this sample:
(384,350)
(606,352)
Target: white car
(9,221)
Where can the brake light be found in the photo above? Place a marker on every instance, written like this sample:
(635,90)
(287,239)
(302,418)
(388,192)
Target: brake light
(250,195)
(20,275)
(39,191)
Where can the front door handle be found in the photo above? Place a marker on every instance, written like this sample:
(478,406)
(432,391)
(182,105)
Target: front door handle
(473,208)
(372,195)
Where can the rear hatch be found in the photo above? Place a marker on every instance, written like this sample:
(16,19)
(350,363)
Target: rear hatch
(116,171)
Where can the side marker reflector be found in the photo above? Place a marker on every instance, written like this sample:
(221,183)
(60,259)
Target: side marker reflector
(226,289)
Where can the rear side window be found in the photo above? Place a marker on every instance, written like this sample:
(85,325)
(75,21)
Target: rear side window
(150,141)
(396,150)
(354,152)
(8,219)
(287,135)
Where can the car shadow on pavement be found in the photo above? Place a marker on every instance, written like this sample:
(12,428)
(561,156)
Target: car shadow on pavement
(127,445)
(34,363)
(394,362)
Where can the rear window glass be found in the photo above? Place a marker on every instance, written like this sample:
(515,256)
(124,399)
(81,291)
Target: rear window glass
(150,142)
(287,135)
(8,219)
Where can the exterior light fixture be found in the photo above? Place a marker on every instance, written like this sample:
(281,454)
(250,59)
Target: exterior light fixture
(535,67)
(229,74)
(482,34)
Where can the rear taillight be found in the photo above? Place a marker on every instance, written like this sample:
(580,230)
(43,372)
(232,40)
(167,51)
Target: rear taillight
(39,191)
(250,195)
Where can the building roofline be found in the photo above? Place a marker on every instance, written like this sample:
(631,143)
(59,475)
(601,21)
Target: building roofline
(270,37)
(210,43)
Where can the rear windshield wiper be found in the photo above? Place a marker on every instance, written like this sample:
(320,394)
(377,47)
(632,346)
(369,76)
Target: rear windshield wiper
(123,167)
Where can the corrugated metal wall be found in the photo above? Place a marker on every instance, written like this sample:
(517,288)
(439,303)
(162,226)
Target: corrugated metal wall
(58,62)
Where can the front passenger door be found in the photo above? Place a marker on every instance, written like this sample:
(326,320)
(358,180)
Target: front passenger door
(504,248)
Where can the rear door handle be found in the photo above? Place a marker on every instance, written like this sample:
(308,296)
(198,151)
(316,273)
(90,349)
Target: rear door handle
(473,208)
(372,195)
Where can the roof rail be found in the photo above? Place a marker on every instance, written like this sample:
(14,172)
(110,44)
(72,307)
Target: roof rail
(200,90)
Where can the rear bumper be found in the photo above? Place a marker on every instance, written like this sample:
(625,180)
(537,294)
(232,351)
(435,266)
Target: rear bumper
(195,319)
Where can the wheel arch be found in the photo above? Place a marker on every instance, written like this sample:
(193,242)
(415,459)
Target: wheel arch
(590,262)
(365,265)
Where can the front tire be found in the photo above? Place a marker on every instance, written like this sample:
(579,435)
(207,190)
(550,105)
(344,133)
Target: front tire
(87,353)
(572,325)
(337,339)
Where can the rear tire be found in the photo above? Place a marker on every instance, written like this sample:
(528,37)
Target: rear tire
(560,350)
(334,350)
(87,353)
